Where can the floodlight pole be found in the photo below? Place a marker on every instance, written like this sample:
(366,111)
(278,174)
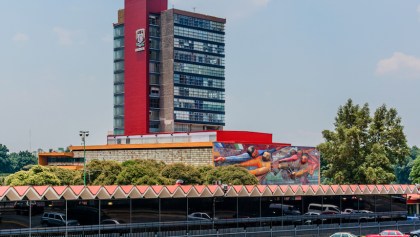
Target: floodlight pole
(83,135)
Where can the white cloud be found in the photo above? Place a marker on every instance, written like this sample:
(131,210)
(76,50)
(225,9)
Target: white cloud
(20,37)
(65,37)
(399,64)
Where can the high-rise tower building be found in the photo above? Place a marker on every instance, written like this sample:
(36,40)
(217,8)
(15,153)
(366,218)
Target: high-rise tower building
(169,70)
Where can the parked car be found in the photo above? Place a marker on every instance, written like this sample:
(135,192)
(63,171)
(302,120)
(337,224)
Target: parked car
(322,208)
(343,234)
(56,219)
(312,221)
(358,215)
(278,209)
(388,233)
(415,233)
(347,211)
(199,216)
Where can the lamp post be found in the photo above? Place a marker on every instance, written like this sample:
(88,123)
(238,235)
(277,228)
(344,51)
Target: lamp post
(83,135)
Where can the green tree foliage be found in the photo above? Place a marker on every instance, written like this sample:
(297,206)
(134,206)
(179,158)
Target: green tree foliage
(40,175)
(187,173)
(204,170)
(37,175)
(231,175)
(103,172)
(68,177)
(138,172)
(5,166)
(363,149)
(402,172)
(21,159)
(415,170)
(146,172)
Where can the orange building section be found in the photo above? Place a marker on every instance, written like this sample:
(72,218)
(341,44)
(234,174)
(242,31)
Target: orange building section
(57,156)
(67,160)
(144,146)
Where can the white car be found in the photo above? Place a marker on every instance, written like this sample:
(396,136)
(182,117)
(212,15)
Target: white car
(343,234)
(199,216)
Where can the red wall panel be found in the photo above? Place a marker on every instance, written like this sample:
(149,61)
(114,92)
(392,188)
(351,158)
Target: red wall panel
(136,114)
(244,137)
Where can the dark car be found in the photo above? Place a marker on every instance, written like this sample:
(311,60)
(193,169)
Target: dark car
(56,219)
(278,209)
(86,215)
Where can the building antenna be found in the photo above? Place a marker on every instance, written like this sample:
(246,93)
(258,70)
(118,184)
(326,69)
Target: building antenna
(194,9)
(173,6)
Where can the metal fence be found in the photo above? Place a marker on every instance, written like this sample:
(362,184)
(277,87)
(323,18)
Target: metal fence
(262,231)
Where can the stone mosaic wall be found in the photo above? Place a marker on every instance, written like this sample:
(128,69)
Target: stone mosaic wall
(194,156)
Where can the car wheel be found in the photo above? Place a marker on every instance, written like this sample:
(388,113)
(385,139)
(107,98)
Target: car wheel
(415,235)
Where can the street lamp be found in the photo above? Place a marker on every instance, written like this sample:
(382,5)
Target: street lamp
(83,135)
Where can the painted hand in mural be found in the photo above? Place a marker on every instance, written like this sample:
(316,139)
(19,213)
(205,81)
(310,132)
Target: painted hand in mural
(220,159)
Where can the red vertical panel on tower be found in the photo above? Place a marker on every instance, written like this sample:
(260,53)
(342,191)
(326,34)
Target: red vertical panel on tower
(136,100)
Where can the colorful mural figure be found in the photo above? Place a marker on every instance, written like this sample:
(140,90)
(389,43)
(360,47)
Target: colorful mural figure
(271,164)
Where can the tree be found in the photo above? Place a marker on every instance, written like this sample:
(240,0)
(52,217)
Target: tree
(41,175)
(402,172)
(5,166)
(37,175)
(231,175)
(415,171)
(187,173)
(22,159)
(146,172)
(68,177)
(103,172)
(363,149)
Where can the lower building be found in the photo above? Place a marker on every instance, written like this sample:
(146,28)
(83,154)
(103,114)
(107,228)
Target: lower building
(251,150)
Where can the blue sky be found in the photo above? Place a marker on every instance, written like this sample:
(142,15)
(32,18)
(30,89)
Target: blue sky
(289,66)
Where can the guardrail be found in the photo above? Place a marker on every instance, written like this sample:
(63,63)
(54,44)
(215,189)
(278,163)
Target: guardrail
(266,226)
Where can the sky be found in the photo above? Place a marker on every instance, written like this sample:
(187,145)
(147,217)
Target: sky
(289,65)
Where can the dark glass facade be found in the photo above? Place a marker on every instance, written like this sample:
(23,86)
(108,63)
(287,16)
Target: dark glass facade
(199,72)
(154,72)
(119,79)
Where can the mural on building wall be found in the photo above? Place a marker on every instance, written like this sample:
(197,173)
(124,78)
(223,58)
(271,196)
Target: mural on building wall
(271,163)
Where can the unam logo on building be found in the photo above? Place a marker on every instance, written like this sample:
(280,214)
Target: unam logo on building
(140,40)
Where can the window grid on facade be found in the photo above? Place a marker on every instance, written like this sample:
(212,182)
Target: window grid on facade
(198,105)
(199,58)
(201,81)
(198,34)
(199,69)
(190,44)
(199,117)
(198,23)
(154,72)
(199,93)
(119,79)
